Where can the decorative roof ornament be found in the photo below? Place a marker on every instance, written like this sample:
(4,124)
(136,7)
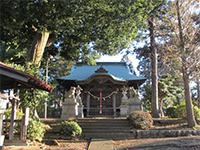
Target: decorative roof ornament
(101,70)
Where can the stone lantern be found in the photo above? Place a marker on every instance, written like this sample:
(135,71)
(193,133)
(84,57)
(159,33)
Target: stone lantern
(79,100)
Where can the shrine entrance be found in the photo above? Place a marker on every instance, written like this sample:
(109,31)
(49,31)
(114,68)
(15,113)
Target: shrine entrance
(101,103)
(101,97)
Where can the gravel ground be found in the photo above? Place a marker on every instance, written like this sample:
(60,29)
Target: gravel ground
(178,143)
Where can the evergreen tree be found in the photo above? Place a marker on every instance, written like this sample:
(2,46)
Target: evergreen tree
(30,27)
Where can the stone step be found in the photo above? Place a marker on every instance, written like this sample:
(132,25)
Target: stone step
(53,131)
(56,136)
(103,120)
(105,124)
(105,128)
(161,122)
(107,135)
(106,131)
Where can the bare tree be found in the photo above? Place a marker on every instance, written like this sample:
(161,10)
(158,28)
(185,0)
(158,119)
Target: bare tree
(183,49)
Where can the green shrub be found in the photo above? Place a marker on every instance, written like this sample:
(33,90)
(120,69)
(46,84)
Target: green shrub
(170,112)
(140,120)
(179,111)
(17,129)
(35,130)
(197,113)
(70,128)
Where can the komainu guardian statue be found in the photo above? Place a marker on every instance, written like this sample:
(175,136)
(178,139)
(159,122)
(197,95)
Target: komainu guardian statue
(133,93)
(70,93)
(70,106)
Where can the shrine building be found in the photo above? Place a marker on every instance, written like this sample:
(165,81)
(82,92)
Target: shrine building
(102,88)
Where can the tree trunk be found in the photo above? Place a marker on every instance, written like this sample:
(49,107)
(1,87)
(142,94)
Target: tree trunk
(154,98)
(198,92)
(35,114)
(188,100)
(35,53)
(161,106)
(178,100)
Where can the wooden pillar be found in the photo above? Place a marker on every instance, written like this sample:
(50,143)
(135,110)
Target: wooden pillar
(114,104)
(1,124)
(198,92)
(64,95)
(13,113)
(1,132)
(25,119)
(88,104)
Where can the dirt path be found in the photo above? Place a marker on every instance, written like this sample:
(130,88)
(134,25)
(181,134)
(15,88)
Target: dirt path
(178,143)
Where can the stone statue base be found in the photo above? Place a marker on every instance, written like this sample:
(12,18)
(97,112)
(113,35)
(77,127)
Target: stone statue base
(124,101)
(129,105)
(134,106)
(123,110)
(80,111)
(69,109)
(123,107)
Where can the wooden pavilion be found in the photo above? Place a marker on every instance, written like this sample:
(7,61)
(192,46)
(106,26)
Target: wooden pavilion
(11,78)
(101,86)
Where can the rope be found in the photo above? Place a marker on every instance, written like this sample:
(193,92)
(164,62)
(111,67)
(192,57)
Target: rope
(102,97)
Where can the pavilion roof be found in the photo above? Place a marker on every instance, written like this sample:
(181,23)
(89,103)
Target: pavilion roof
(9,75)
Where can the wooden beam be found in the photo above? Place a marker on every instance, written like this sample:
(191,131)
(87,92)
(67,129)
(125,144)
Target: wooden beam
(14,75)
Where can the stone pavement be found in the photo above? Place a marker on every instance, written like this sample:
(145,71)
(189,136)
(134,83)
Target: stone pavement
(101,144)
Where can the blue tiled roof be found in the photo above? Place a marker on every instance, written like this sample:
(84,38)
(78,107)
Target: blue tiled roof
(117,70)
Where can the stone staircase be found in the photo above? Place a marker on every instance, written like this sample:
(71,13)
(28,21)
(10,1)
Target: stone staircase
(92,128)
(102,127)
(105,128)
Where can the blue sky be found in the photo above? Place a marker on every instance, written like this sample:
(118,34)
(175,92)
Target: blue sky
(117,58)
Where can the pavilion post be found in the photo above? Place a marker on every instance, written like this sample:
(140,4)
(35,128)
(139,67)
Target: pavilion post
(13,113)
(88,104)
(114,104)
(64,95)
(1,131)
(25,120)
(1,124)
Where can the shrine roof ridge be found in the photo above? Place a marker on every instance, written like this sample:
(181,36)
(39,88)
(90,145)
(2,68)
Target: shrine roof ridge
(118,70)
(104,63)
